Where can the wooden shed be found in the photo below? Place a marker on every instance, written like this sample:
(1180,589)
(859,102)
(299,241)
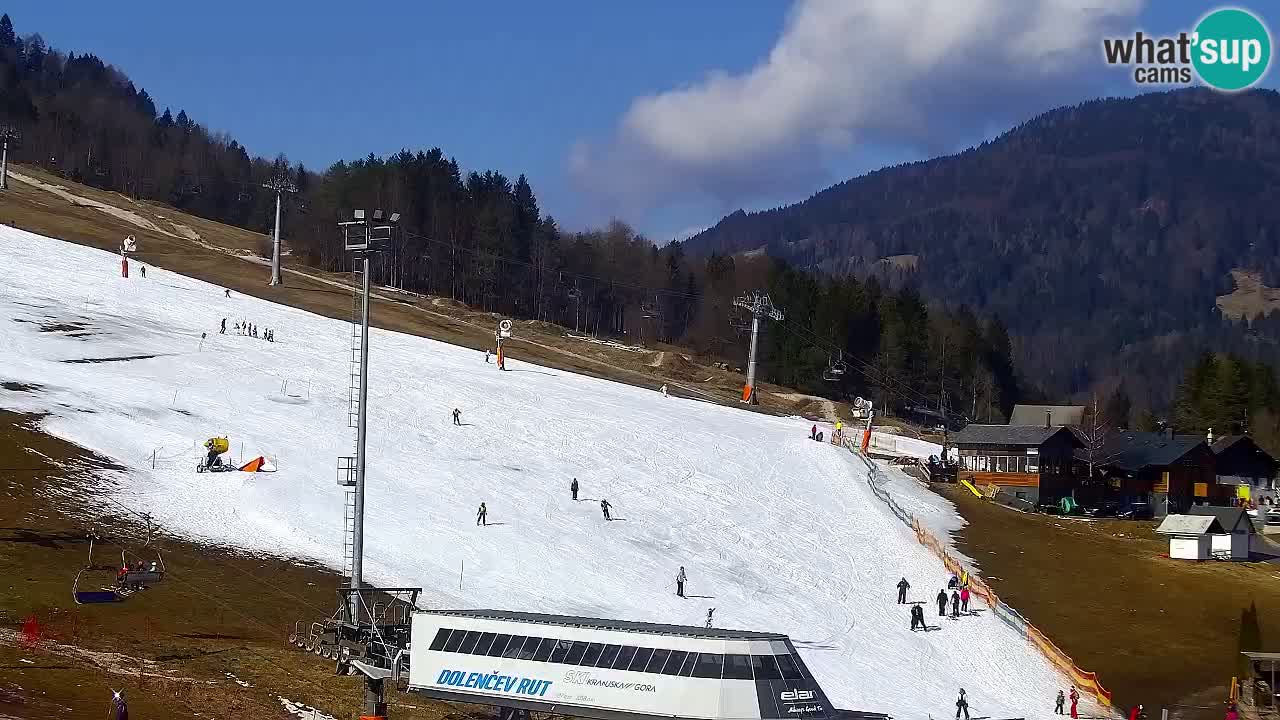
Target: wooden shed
(1190,536)
(1237,532)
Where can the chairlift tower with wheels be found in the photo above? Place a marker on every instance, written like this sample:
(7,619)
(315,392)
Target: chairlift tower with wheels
(279,185)
(760,306)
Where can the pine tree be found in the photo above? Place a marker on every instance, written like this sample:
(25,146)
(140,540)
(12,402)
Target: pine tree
(1000,361)
(1118,408)
(8,38)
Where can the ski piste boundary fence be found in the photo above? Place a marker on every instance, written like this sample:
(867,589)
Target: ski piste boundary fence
(1084,680)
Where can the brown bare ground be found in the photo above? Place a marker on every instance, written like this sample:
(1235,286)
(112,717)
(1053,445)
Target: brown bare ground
(176,649)
(1160,632)
(1250,298)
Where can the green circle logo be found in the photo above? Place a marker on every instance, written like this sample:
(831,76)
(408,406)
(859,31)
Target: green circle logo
(1232,49)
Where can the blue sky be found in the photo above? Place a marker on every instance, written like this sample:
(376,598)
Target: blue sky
(550,90)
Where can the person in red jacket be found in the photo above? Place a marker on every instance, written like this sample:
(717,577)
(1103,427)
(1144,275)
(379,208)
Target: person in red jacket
(964,599)
(1074,696)
(1135,712)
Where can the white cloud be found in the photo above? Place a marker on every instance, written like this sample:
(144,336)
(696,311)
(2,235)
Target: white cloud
(926,74)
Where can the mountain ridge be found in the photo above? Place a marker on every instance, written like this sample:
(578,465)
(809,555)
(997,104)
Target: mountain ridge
(1102,233)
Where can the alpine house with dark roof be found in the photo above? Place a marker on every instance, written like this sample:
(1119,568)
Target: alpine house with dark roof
(1028,461)
(1171,472)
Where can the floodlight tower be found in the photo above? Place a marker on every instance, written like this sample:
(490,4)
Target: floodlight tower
(760,306)
(368,233)
(280,185)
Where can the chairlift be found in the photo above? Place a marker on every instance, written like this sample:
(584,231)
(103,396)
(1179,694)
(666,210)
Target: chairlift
(125,583)
(835,368)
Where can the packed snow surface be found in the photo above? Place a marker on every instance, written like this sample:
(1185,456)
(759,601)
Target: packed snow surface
(777,532)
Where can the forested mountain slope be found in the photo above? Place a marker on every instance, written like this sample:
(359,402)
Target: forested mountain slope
(1100,234)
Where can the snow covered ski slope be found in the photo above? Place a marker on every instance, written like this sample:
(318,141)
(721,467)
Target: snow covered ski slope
(776,532)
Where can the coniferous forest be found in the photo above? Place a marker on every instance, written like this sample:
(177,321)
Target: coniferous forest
(1003,274)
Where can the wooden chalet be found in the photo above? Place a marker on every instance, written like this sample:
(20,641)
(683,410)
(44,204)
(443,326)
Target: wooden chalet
(1241,464)
(1171,472)
(1029,461)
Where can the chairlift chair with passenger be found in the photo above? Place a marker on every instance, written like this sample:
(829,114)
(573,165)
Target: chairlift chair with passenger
(835,368)
(126,582)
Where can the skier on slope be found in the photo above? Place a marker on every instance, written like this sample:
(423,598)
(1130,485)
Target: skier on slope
(228,291)
(955,604)
(813,432)
(223,329)
(903,586)
(962,705)
(710,612)
(1135,712)
(119,708)
(1059,702)
(664,391)
(680,581)
(457,415)
(964,599)
(573,488)
(917,618)
(144,271)
(482,515)
(604,508)
(486,357)
(942,603)
(1074,696)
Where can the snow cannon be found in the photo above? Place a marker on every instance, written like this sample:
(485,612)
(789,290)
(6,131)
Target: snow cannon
(218,445)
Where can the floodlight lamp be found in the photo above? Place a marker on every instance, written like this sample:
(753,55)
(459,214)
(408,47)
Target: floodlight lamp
(395,217)
(377,215)
(358,214)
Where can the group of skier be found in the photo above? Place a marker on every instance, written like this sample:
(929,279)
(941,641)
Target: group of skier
(958,599)
(1061,700)
(482,513)
(244,327)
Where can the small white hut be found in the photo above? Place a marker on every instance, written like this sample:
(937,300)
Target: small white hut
(1190,536)
(1235,538)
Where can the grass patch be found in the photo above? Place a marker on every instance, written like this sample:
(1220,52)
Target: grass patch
(178,648)
(1160,632)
